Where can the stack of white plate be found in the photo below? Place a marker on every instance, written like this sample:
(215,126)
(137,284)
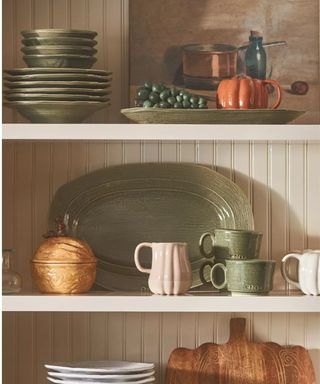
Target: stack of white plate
(101,372)
(59,48)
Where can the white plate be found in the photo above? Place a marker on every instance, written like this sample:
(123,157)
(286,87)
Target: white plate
(57,381)
(105,377)
(106,367)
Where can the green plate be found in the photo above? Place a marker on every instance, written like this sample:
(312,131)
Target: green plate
(29,71)
(82,91)
(59,33)
(56,84)
(58,50)
(114,209)
(58,77)
(54,97)
(36,41)
(210,116)
(60,61)
(56,112)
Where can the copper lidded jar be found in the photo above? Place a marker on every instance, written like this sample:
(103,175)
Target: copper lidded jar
(63,264)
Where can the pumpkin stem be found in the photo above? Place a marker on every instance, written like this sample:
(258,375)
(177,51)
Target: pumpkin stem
(60,229)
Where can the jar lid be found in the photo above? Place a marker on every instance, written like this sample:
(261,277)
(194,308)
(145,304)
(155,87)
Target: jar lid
(60,248)
(64,250)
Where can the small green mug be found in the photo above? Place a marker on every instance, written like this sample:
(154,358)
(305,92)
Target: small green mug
(235,244)
(250,277)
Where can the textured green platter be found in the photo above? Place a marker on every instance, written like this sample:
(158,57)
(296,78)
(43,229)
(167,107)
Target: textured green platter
(54,97)
(210,116)
(81,91)
(56,112)
(58,77)
(29,71)
(114,209)
(56,84)
(58,50)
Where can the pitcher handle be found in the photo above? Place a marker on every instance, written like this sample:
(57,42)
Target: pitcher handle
(136,257)
(284,269)
(277,87)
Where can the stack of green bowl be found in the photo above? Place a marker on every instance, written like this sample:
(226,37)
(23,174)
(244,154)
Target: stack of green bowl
(59,86)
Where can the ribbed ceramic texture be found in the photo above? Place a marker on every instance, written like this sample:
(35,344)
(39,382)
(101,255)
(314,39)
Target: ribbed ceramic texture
(58,77)
(79,91)
(56,84)
(117,208)
(59,61)
(55,97)
(58,50)
(39,41)
(56,112)
(240,361)
(209,116)
(30,71)
(59,33)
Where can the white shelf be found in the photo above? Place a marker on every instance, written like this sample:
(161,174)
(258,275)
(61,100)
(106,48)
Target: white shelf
(159,132)
(138,302)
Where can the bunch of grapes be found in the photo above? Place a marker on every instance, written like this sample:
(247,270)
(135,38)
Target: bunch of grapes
(157,95)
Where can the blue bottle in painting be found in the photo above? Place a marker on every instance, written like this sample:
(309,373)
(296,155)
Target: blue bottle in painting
(256,58)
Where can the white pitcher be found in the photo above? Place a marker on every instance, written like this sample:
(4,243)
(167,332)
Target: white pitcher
(170,273)
(308,271)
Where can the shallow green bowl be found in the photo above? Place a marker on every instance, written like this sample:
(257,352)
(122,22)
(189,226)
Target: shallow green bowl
(59,50)
(59,61)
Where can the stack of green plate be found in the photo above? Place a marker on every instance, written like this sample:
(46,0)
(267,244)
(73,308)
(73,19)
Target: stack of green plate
(59,48)
(57,95)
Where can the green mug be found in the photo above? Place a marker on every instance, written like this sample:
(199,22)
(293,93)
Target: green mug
(250,277)
(235,244)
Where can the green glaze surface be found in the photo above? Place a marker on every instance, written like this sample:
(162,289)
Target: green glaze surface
(231,244)
(56,112)
(58,61)
(56,84)
(78,41)
(78,91)
(247,276)
(58,50)
(58,77)
(116,208)
(59,32)
(29,71)
(209,116)
(54,97)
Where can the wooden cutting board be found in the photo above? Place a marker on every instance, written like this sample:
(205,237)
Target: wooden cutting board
(240,361)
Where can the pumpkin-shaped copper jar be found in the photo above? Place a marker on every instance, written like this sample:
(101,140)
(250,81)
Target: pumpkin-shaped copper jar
(63,264)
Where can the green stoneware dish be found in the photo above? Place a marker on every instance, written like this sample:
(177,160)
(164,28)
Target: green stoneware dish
(81,91)
(58,77)
(56,112)
(38,41)
(116,208)
(58,50)
(84,34)
(54,97)
(248,277)
(30,71)
(56,84)
(209,116)
(59,61)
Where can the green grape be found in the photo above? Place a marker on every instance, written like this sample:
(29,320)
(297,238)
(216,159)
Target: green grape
(194,106)
(179,98)
(148,84)
(186,97)
(174,91)
(143,94)
(186,104)
(164,104)
(177,105)
(154,97)
(164,95)
(156,88)
(194,99)
(171,100)
(202,100)
(147,104)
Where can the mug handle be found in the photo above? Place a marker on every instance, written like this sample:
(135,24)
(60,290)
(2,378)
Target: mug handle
(201,271)
(224,268)
(201,247)
(136,257)
(284,269)
(278,90)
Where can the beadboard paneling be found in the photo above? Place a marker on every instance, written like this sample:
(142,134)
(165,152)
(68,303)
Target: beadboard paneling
(110,18)
(149,337)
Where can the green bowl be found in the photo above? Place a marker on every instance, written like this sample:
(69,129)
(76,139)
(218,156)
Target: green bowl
(39,41)
(59,50)
(56,112)
(59,61)
(59,33)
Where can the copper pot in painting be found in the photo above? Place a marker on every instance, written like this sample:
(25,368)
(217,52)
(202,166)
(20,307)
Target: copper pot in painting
(205,65)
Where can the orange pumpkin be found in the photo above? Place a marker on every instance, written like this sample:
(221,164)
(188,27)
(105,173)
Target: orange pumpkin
(243,92)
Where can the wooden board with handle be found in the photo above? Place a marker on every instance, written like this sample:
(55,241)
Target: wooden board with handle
(240,361)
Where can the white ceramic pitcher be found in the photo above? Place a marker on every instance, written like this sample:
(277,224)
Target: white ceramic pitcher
(308,271)
(170,273)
